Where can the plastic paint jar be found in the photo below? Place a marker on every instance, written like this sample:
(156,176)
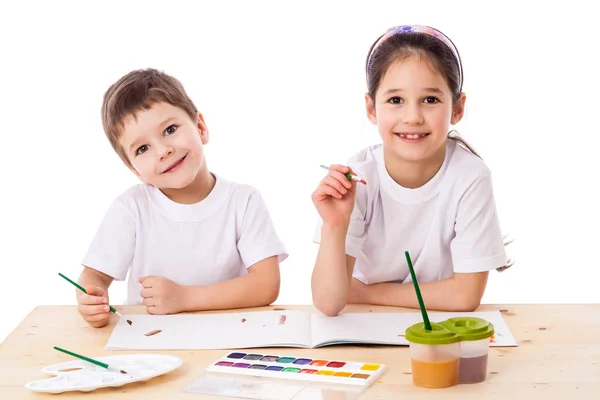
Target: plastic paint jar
(475,336)
(434,355)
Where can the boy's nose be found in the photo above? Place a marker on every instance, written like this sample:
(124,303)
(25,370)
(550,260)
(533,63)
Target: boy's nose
(165,151)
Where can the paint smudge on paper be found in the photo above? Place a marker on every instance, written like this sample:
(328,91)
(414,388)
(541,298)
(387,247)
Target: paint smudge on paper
(282,319)
(154,332)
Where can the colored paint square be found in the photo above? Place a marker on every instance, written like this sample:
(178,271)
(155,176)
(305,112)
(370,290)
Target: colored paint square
(336,364)
(269,358)
(325,372)
(253,357)
(285,360)
(236,355)
(302,361)
(319,363)
(224,363)
(274,368)
(241,365)
(360,376)
(370,367)
(290,369)
(308,371)
(344,374)
(257,366)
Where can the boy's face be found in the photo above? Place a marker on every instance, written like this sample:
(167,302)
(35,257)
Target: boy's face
(164,146)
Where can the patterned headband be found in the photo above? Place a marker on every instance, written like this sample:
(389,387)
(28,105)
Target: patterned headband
(421,29)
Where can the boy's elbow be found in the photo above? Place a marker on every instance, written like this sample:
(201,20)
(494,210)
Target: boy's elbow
(269,294)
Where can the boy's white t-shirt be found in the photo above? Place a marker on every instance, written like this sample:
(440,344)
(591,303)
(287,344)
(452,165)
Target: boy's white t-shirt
(145,233)
(448,226)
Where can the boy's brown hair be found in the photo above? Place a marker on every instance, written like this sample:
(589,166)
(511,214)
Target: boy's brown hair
(140,90)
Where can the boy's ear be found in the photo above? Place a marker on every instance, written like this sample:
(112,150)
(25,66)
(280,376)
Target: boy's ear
(370,106)
(459,110)
(202,128)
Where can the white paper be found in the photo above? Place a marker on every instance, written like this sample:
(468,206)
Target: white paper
(269,389)
(389,328)
(243,387)
(212,331)
(267,329)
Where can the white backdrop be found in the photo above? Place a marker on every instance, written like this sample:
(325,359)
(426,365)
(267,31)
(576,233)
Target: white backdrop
(281,87)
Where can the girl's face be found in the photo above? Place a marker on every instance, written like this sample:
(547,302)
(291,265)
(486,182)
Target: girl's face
(413,110)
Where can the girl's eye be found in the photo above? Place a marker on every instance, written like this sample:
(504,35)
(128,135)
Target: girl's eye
(431,100)
(141,150)
(170,129)
(395,100)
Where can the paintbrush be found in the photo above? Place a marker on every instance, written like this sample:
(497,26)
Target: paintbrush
(91,360)
(112,309)
(349,176)
(418,292)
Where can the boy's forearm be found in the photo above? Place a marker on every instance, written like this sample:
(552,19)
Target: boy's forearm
(250,290)
(443,295)
(92,277)
(330,280)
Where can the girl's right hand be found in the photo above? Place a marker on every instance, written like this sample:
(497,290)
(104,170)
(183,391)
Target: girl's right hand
(334,197)
(94,307)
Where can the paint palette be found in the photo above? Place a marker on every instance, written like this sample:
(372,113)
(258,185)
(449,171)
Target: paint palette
(79,375)
(299,368)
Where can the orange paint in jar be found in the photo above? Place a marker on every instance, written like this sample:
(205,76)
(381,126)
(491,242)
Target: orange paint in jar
(434,375)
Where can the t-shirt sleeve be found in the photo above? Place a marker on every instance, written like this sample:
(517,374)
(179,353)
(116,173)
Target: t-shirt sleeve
(477,245)
(258,239)
(111,251)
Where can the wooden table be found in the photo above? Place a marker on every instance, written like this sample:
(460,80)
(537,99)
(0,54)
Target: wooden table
(558,357)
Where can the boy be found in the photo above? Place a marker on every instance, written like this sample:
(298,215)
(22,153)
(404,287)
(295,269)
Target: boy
(190,239)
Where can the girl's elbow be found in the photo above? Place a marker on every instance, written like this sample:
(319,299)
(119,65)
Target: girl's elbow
(328,308)
(469,304)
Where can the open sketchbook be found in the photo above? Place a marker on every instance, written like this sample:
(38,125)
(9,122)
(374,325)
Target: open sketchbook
(286,328)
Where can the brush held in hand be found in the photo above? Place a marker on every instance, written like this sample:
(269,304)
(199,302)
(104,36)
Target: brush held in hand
(78,286)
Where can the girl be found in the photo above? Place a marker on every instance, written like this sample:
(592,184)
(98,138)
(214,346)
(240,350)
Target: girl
(426,192)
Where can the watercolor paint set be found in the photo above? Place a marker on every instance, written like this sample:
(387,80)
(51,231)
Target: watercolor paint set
(299,368)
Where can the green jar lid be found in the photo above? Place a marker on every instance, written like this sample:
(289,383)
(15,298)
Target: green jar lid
(470,328)
(436,336)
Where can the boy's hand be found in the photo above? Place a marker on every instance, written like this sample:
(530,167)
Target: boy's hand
(334,197)
(162,296)
(94,307)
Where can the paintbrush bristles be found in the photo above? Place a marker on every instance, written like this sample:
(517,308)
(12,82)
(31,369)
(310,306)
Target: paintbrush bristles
(125,319)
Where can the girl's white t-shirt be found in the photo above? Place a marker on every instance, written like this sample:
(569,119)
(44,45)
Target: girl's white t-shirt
(449,225)
(145,233)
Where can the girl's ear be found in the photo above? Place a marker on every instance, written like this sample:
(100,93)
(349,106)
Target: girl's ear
(459,110)
(370,106)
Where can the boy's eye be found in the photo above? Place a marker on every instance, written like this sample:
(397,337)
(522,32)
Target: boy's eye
(395,100)
(170,129)
(431,100)
(141,150)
